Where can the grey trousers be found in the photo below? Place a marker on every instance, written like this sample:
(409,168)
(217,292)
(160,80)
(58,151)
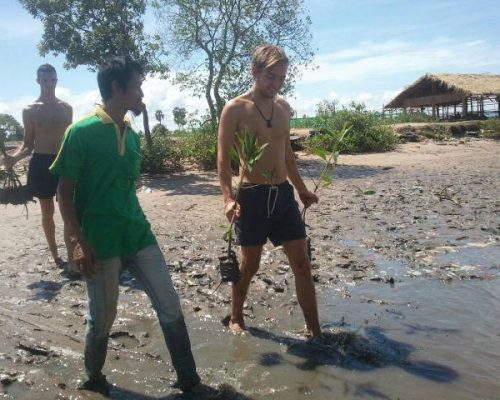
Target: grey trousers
(149,268)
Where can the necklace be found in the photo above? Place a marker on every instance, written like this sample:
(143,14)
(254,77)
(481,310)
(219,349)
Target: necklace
(268,121)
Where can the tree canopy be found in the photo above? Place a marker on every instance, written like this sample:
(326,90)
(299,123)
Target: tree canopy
(10,128)
(209,41)
(180,115)
(213,40)
(89,31)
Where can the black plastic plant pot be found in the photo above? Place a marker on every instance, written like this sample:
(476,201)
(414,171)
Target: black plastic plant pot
(229,267)
(15,195)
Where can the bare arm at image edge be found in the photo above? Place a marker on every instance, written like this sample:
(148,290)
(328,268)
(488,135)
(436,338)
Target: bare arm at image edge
(28,142)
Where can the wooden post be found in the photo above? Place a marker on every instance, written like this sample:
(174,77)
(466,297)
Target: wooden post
(464,107)
(433,111)
(481,106)
(498,105)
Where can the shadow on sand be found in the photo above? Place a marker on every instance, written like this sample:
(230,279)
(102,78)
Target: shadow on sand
(312,169)
(353,351)
(47,290)
(202,184)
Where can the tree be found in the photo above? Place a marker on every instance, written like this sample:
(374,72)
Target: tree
(326,108)
(10,128)
(159,115)
(216,39)
(89,31)
(180,114)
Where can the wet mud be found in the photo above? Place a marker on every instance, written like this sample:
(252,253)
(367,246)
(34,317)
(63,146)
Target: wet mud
(406,261)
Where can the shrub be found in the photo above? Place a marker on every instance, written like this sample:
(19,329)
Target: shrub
(437,132)
(159,130)
(162,157)
(411,117)
(458,130)
(200,147)
(491,128)
(368,132)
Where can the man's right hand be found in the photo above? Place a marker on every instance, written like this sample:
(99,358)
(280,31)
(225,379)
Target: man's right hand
(84,258)
(232,210)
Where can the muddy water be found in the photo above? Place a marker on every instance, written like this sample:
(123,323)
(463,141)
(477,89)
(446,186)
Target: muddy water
(418,338)
(427,339)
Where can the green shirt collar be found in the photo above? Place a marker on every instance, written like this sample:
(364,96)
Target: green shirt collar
(106,119)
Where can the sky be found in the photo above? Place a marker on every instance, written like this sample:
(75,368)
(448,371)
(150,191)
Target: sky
(366,51)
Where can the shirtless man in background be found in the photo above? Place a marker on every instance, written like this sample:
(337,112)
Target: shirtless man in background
(266,205)
(45,121)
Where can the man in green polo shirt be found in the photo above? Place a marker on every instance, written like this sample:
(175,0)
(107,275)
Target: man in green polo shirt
(97,165)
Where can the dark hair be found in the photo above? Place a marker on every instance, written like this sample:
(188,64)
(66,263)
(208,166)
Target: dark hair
(45,68)
(119,70)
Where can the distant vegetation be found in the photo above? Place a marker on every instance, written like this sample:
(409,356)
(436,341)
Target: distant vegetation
(492,128)
(186,149)
(10,128)
(369,133)
(489,129)
(196,146)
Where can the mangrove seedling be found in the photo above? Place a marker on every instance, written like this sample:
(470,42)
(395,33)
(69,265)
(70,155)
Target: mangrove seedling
(328,151)
(245,152)
(12,191)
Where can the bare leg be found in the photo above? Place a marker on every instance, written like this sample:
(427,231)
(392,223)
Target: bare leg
(296,252)
(250,260)
(49,228)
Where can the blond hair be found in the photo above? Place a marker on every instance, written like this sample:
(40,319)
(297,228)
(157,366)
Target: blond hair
(268,55)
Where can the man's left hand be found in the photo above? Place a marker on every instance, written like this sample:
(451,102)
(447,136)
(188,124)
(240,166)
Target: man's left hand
(308,198)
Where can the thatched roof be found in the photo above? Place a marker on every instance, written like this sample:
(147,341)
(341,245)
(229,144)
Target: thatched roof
(444,88)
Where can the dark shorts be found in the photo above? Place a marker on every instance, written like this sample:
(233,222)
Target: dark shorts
(41,182)
(268,212)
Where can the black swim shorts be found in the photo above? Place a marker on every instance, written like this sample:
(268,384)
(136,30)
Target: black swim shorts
(268,212)
(41,182)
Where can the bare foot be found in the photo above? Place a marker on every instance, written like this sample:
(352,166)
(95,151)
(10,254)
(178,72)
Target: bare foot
(60,263)
(307,332)
(238,328)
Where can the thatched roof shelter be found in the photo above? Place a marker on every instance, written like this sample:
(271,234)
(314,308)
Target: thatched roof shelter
(444,90)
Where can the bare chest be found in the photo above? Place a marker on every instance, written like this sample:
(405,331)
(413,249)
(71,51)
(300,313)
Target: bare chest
(50,118)
(274,131)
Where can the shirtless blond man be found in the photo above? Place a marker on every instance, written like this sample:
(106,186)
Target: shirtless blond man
(266,209)
(45,121)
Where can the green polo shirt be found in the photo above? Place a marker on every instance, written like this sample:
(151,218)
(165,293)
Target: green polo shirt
(105,165)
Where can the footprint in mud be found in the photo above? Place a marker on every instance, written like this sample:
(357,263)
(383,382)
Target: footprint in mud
(351,350)
(124,339)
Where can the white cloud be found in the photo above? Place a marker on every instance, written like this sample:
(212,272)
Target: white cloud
(15,107)
(373,100)
(159,94)
(375,60)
